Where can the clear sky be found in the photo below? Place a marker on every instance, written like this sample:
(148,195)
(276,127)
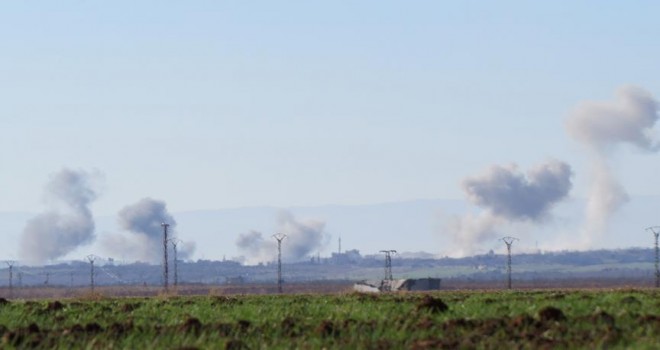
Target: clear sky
(220,104)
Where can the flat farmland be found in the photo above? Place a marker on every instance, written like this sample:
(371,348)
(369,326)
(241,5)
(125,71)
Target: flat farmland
(529,319)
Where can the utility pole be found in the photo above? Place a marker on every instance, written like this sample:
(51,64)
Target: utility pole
(165,272)
(91,259)
(388,263)
(508,241)
(10,264)
(388,269)
(656,232)
(279,237)
(175,242)
(339,251)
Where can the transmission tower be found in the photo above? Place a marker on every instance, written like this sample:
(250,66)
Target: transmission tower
(279,237)
(10,264)
(91,259)
(388,263)
(165,272)
(175,242)
(509,242)
(387,281)
(656,232)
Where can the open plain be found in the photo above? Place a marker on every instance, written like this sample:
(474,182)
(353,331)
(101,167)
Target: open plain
(528,319)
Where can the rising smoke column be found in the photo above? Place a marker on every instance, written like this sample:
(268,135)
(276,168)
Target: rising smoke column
(256,247)
(303,238)
(506,196)
(143,221)
(600,127)
(67,225)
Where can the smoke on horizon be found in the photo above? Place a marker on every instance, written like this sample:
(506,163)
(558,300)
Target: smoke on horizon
(601,127)
(68,223)
(507,196)
(144,242)
(303,239)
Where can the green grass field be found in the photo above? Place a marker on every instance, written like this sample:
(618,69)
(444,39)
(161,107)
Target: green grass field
(626,318)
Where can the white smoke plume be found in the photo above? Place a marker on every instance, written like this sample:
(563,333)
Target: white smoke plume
(145,239)
(601,127)
(256,247)
(303,239)
(469,230)
(68,223)
(628,119)
(507,196)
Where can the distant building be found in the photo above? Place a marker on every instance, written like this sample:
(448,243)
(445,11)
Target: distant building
(348,257)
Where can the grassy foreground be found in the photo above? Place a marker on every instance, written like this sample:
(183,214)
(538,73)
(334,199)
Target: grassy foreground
(520,319)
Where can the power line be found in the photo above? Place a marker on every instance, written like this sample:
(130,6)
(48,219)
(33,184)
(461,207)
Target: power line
(388,263)
(91,259)
(11,264)
(21,273)
(175,242)
(112,275)
(509,242)
(165,272)
(388,268)
(279,237)
(656,233)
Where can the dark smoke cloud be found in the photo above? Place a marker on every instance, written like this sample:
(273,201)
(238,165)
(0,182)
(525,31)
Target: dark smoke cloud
(146,217)
(145,239)
(601,127)
(508,193)
(67,225)
(303,239)
(507,196)
(255,247)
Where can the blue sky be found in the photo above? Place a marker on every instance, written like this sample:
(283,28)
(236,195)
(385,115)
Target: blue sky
(208,104)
